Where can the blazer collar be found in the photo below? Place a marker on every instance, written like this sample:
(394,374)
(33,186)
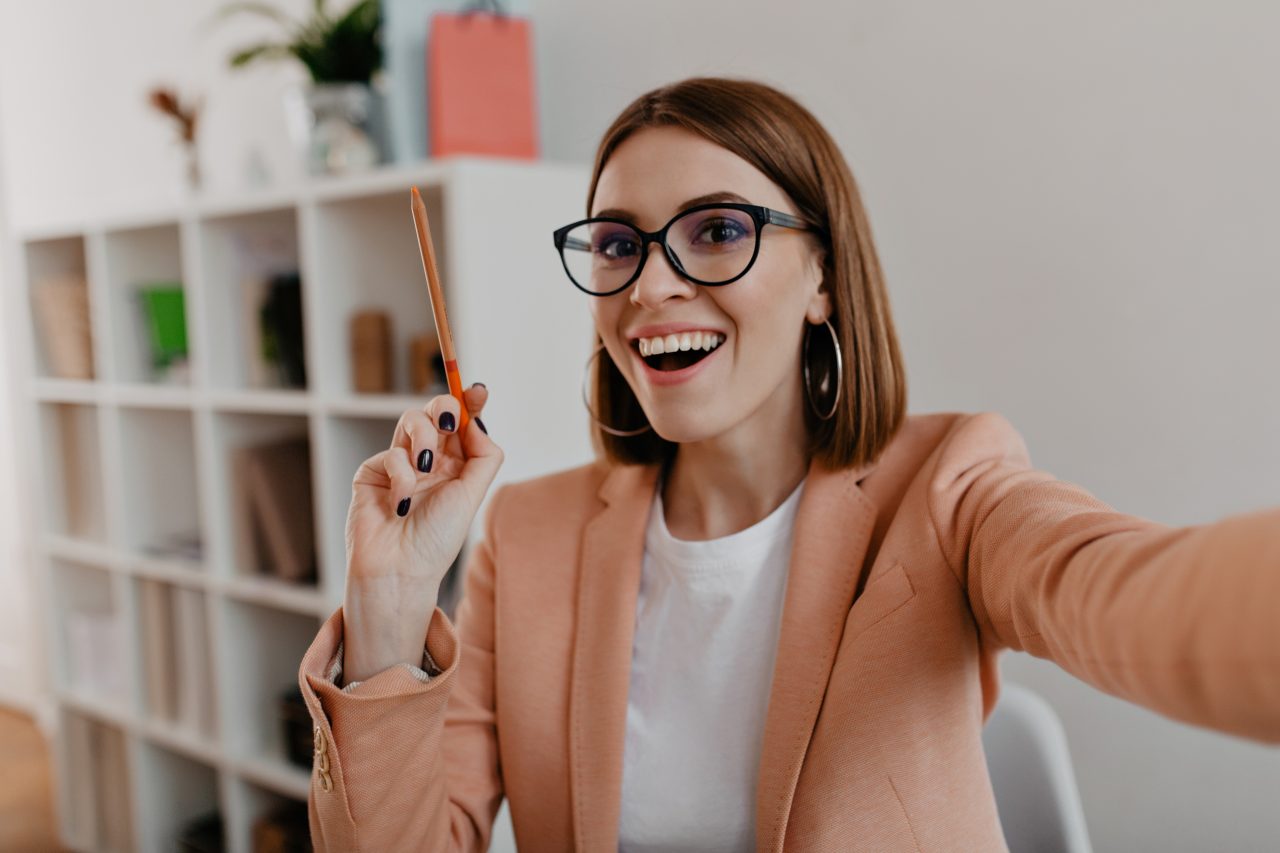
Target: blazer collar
(833,527)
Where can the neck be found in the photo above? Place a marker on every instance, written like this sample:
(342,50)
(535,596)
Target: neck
(722,485)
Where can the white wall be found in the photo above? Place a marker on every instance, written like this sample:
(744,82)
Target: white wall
(1075,204)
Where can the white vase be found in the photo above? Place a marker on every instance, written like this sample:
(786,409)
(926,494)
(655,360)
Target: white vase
(335,126)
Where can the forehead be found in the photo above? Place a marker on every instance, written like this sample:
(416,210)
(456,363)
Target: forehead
(657,169)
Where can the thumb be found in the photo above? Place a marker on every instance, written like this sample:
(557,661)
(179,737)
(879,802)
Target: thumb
(483,459)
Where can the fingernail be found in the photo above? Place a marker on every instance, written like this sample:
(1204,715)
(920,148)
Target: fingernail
(480,424)
(446,422)
(403,509)
(481,384)
(425,458)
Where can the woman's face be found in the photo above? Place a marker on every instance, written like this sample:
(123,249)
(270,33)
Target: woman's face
(753,377)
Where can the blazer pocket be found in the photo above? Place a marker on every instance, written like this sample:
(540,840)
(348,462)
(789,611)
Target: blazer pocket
(884,594)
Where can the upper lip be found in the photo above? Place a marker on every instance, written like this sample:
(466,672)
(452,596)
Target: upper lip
(663,329)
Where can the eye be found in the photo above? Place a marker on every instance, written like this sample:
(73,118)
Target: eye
(723,231)
(617,246)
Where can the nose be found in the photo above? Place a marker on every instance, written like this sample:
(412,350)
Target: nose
(659,281)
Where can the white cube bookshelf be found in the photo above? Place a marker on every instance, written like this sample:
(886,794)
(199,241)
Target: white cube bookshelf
(134,468)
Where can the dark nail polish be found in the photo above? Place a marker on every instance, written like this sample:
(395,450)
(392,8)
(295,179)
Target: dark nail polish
(447,422)
(425,458)
(403,509)
(480,424)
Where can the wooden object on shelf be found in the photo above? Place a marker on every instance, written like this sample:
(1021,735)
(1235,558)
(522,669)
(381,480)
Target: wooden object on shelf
(275,497)
(62,316)
(371,352)
(425,363)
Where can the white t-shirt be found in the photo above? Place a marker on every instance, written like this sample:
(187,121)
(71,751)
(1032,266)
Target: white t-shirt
(706,638)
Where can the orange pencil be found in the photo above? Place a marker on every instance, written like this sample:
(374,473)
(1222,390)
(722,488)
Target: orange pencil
(437,306)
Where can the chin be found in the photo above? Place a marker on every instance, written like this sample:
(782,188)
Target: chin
(685,430)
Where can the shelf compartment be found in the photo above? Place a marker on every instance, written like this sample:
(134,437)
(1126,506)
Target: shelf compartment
(256,685)
(97,811)
(72,451)
(61,309)
(174,666)
(90,634)
(263,473)
(179,790)
(158,459)
(147,306)
(367,258)
(239,256)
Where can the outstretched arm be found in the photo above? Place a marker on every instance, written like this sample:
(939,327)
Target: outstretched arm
(1182,620)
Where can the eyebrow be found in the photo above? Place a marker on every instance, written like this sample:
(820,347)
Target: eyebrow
(722,195)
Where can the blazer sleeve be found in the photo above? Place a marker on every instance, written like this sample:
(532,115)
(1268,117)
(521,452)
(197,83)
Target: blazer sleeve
(1182,620)
(411,765)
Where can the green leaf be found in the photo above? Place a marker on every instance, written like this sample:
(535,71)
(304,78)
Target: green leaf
(334,50)
(259,51)
(262,10)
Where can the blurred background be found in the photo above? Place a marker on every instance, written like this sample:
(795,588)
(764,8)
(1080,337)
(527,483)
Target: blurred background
(212,295)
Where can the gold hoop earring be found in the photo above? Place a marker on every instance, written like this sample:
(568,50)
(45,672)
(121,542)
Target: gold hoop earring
(586,402)
(808,385)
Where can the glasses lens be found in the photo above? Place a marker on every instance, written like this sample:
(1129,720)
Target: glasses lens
(601,256)
(713,245)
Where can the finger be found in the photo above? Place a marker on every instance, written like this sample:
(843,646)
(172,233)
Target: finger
(475,397)
(484,458)
(403,478)
(445,413)
(417,436)
(372,473)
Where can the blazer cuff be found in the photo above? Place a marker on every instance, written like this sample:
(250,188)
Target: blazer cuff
(424,673)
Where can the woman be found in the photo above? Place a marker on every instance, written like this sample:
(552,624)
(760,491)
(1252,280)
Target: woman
(768,616)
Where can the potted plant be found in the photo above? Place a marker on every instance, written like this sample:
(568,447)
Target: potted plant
(338,117)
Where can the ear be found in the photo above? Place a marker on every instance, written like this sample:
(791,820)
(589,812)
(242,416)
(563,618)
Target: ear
(819,307)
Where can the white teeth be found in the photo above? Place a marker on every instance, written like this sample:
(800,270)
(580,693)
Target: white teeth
(684,341)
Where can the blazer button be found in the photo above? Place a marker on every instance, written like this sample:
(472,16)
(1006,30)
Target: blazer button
(326,782)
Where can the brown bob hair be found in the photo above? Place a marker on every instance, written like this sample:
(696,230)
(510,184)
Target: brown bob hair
(782,139)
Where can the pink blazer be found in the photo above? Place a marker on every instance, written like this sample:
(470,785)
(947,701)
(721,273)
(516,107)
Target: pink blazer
(907,578)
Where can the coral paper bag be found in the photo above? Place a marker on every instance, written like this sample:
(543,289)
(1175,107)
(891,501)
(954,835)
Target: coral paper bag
(480,87)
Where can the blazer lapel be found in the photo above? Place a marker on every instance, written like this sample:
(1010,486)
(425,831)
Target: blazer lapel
(833,527)
(608,586)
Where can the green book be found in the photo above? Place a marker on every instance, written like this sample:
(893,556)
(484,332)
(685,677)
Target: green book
(165,315)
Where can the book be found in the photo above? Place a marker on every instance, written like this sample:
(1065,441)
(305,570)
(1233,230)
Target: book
(82,807)
(161,675)
(275,508)
(194,699)
(62,315)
